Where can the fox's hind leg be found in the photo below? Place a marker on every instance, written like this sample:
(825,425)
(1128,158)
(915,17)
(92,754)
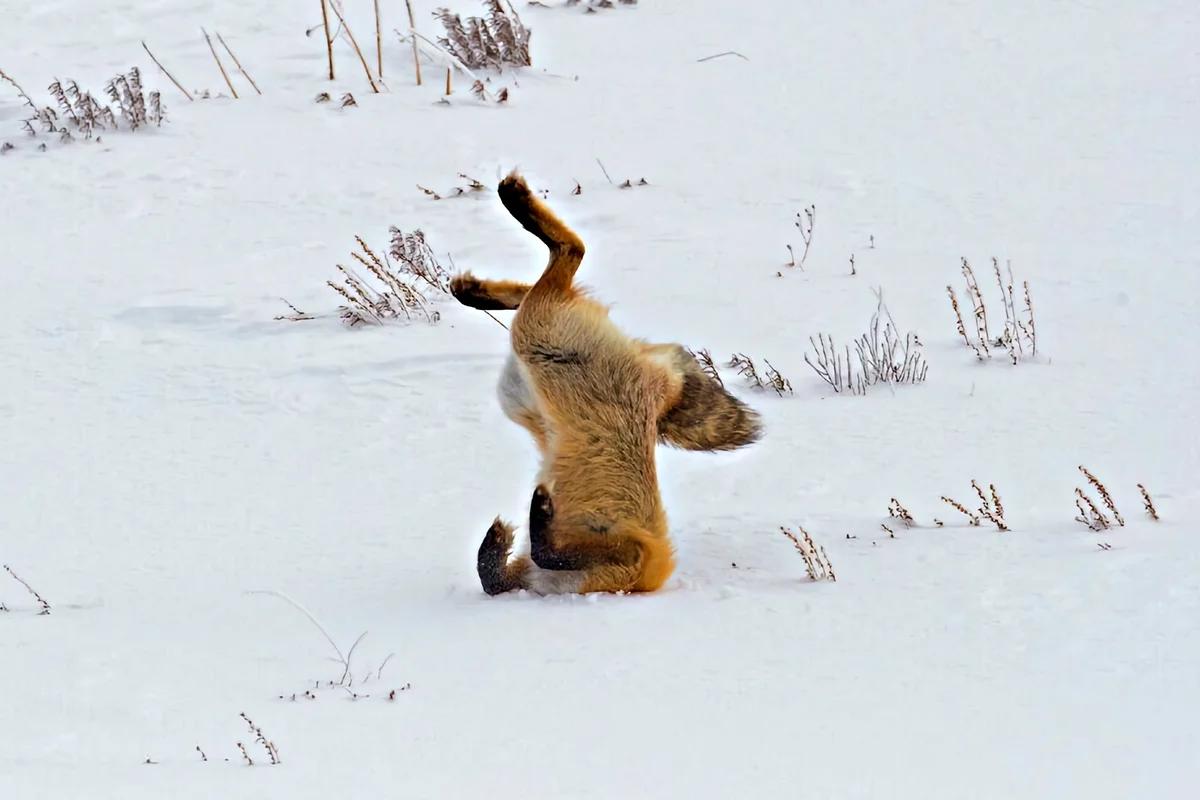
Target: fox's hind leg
(621,559)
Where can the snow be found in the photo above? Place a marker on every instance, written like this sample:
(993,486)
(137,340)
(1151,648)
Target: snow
(168,447)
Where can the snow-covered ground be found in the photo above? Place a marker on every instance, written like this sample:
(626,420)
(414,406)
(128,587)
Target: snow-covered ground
(168,447)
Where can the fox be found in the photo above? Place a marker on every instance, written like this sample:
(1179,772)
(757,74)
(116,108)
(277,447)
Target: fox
(596,403)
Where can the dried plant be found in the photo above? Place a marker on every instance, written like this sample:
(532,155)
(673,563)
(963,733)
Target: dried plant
(1104,495)
(494,41)
(344,26)
(1147,503)
(991,508)
(706,364)
(880,356)
(212,49)
(237,63)
(746,368)
(1089,513)
(900,512)
(974,520)
(416,258)
(472,186)
(805,225)
(395,292)
(269,746)
(1104,545)
(816,560)
(79,113)
(1018,331)
(41,600)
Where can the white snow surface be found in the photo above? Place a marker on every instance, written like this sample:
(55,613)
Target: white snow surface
(168,447)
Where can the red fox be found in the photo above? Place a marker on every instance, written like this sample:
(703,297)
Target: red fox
(596,402)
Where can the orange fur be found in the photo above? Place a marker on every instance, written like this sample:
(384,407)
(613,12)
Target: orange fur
(595,402)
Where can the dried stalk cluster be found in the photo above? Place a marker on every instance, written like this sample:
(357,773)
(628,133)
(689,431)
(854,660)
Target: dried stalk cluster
(1017,333)
(879,356)
(492,42)
(816,561)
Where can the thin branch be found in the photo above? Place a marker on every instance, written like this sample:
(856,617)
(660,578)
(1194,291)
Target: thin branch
(719,55)
(241,69)
(220,66)
(164,69)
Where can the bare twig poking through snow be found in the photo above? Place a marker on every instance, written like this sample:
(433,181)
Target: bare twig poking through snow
(1147,503)
(41,600)
(343,659)
(805,225)
(1019,330)
(171,77)
(492,42)
(269,746)
(722,55)
(328,35)
(220,66)
(816,561)
(879,356)
(354,43)
(237,63)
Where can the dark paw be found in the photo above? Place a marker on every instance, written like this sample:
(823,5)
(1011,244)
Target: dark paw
(493,558)
(541,508)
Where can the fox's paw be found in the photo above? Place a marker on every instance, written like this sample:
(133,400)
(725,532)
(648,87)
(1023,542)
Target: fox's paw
(475,293)
(492,564)
(499,538)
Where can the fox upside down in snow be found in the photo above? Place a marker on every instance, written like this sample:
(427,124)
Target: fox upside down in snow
(596,402)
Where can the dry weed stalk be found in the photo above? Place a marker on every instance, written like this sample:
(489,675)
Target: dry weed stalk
(41,600)
(880,356)
(991,508)
(1147,503)
(457,191)
(1089,513)
(490,42)
(220,66)
(412,23)
(974,520)
(746,368)
(400,294)
(1104,545)
(80,113)
(1017,332)
(706,363)
(1104,495)
(816,560)
(245,755)
(353,43)
(901,513)
(805,226)
(237,63)
(328,36)
(269,746)
(171,77)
